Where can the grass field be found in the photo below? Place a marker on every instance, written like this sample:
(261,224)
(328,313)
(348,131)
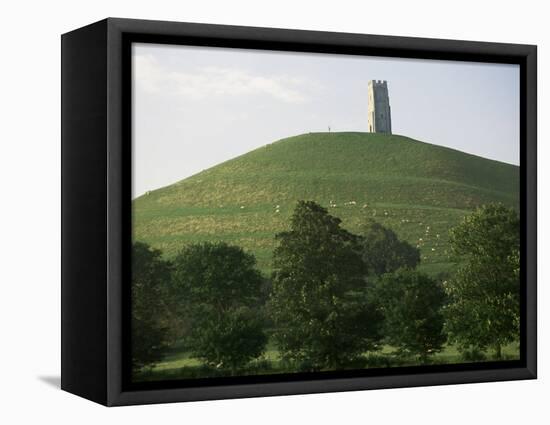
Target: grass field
(177,364)
(417,189)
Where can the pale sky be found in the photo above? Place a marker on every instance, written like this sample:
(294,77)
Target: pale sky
(194,107)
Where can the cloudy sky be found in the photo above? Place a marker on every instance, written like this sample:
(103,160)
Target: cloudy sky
(194,107)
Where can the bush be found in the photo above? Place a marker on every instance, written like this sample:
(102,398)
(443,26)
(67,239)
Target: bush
(151,305)
(473,355)
(222,290)
(319,302)
(484,293)
(383,252)
(412,306)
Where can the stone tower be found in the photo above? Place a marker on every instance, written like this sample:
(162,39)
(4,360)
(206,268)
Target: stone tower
(379,107)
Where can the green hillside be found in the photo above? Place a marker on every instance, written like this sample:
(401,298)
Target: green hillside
(417,189)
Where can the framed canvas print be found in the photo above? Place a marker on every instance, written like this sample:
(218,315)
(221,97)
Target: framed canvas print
(252,212)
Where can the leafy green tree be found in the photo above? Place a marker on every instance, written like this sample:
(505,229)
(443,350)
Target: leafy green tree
(383,252)
(222,289)
(319,301)
(151,285)
(412,306)
(484,309)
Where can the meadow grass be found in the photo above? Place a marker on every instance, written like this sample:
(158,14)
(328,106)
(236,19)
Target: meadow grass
(417,189)
(178,364)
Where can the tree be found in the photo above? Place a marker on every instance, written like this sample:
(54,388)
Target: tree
(412,306)
(151,285)
(319,301)
(383,252)
(222,288)
(484,309)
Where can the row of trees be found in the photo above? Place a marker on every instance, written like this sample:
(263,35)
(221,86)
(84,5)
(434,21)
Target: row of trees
(333,295)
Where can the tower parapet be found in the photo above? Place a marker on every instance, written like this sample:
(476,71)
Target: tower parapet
(379,111)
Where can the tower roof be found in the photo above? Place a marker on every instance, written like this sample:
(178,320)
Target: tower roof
(378,82)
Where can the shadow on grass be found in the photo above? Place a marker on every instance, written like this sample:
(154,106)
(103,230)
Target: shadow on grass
(376,360)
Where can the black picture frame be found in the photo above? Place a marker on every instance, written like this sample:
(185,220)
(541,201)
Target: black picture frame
(96,213)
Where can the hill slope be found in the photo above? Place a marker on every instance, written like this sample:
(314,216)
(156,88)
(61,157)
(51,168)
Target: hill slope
(419,190)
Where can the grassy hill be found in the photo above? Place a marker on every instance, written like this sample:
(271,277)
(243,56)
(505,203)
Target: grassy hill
(418,189)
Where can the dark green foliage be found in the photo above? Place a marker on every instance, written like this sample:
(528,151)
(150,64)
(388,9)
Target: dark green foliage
(484,310)
(222,289)
(473,355)
(151,313)
(319,302)
(412,305)
(333,299)
(383,252)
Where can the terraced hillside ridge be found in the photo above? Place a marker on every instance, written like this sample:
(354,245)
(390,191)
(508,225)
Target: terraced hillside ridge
(418,189)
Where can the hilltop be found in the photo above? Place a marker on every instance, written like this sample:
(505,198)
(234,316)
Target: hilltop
(418,189)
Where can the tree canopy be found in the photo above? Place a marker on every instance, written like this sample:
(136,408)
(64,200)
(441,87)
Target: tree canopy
(412,306)
(319,302)
(484,309)
(383,252)
(221,288)
(151,286)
